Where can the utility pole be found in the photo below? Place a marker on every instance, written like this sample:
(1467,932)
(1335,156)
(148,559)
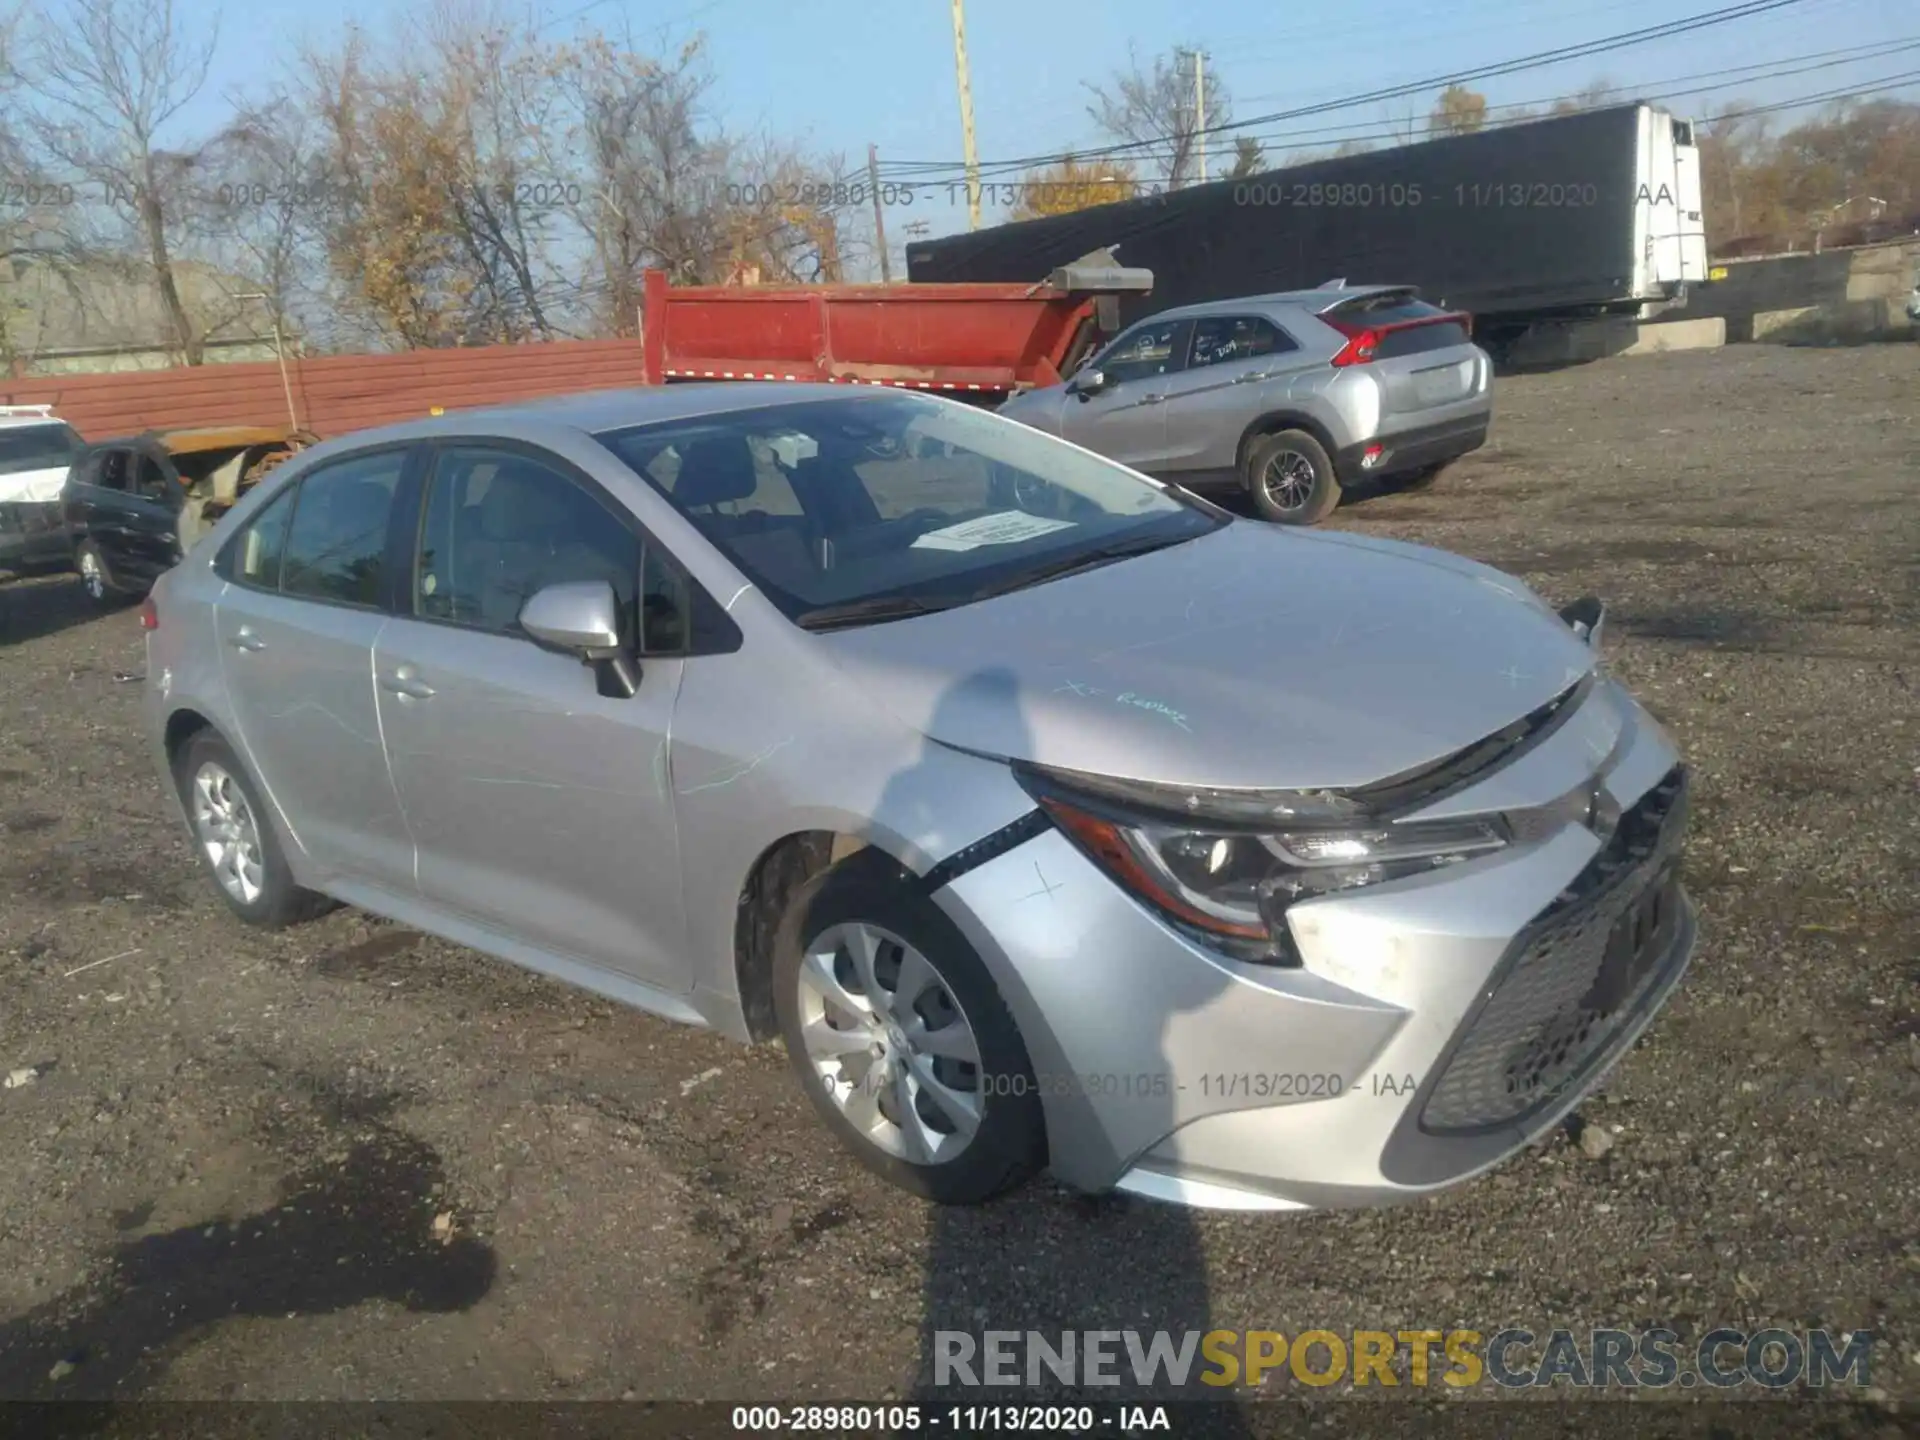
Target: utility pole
(966,114)
(879,224)
(1200,108)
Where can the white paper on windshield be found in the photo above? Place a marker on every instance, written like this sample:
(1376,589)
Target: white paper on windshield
(1009,527)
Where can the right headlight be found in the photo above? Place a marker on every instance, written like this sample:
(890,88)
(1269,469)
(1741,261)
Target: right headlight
(1225,866)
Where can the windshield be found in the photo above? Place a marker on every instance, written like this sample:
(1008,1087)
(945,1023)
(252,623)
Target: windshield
(884,504)
(36,447)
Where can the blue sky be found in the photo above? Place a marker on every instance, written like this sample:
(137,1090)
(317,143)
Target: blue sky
(841,73)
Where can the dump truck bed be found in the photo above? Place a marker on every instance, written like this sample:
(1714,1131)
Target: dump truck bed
(978,341)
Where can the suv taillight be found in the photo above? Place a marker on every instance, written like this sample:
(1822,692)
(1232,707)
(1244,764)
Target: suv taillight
(1361,343)
(149,616)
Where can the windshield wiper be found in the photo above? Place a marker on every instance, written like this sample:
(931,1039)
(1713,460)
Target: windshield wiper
(1074,564)
(873,608)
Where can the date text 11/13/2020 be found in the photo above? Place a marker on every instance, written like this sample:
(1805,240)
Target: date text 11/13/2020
(1278,1086)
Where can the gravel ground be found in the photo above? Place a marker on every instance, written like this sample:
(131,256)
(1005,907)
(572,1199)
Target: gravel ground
(350,1161)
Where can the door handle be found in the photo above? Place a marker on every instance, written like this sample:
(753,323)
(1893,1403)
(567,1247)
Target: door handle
(407,684)
(1152,399)
(1249,379)
(245,639)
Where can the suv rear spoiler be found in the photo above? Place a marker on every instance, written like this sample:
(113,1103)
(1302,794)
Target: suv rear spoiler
(1368,296)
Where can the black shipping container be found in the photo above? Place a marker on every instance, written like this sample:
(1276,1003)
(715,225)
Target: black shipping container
(1517,223)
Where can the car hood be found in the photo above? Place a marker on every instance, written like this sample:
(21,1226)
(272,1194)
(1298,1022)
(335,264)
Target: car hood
(33,487)
(1252,657)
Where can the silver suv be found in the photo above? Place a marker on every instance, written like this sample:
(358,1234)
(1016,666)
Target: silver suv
(1290,396)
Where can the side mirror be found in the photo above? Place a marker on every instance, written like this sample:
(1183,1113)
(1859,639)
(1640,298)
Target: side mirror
(1089,383)
(582,617)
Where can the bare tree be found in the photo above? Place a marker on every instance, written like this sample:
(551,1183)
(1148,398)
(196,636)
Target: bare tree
(1153,110)
(111,75)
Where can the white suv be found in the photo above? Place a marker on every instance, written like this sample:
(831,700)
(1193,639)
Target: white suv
(36,449)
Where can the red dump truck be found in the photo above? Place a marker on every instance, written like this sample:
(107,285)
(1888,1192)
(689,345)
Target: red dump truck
(975,342)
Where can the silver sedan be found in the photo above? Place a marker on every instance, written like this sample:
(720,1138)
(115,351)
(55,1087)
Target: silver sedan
(1051,816)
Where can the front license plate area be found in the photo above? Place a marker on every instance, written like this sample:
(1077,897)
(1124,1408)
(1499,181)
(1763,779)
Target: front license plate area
(1639,938)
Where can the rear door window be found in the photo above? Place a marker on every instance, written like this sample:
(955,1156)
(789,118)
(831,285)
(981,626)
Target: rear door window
(1227,339)
(337,540)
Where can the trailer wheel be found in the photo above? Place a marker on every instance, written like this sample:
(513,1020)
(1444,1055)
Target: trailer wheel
(1291,479)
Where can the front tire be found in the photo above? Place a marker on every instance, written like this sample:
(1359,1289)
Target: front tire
(1291,479)
(235,840)
(900,1038)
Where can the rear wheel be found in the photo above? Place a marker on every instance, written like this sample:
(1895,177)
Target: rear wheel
(900,1038)
(94,574)
(1290,477)
(237,844)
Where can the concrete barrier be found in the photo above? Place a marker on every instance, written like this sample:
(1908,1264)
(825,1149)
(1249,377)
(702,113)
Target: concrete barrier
(1843,322)
(1577,341)
(1663,335)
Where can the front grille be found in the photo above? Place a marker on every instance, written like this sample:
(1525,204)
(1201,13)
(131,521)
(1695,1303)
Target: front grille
(1575,977)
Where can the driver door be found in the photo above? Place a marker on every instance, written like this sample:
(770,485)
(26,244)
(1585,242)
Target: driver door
(535,803)
(1127,419)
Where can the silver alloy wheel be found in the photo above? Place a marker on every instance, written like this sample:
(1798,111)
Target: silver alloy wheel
(890,1043)
(1287,479)
(224,823)
(92,576)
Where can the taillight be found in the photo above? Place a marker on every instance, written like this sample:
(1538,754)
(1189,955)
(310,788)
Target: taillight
(149,616)
(1360,344)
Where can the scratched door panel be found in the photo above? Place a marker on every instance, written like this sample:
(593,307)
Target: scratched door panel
(534,801)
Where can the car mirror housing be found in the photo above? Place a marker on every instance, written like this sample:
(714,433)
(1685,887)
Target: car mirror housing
(1089,383)
(582,617)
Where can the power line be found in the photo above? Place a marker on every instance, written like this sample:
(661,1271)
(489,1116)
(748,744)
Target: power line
(1538,60)
(1659,89)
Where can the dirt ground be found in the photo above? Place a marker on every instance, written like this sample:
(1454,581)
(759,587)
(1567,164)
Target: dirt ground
(349,1161)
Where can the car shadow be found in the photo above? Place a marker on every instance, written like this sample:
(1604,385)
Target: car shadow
(34,609)
(1044,1260)
(1238,503)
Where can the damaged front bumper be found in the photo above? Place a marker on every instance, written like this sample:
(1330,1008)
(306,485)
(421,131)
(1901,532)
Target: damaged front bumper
(1434,1026)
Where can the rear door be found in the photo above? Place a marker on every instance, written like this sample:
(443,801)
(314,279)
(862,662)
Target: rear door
(306,601)
(1127,421)
(1219,392)
(1421,360)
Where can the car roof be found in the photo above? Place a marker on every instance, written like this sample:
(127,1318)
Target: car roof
(14,416)
(1316,300)
(597,412)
